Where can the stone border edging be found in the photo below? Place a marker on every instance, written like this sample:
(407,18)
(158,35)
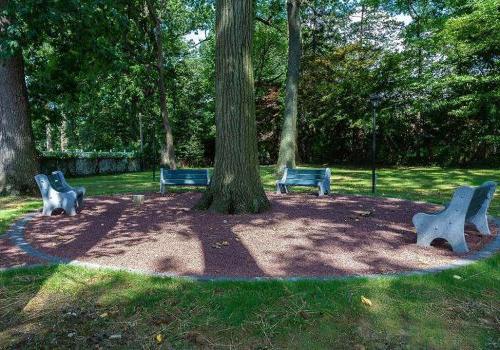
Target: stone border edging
(16,235)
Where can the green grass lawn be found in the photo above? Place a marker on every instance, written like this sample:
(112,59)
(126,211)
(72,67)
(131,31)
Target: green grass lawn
(64,306)
(69,307)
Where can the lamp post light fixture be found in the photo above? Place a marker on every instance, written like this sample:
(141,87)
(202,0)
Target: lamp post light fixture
(375,100)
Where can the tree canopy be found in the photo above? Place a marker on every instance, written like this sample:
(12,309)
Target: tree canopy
(91,70)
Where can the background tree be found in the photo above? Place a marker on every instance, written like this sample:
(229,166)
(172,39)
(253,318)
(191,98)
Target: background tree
(168,151)
(288,143)
(236,186)
(18,162)
(94,64)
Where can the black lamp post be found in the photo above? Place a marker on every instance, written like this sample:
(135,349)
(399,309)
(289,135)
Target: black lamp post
(375,100)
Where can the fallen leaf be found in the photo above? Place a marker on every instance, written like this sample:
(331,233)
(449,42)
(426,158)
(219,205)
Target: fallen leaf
(366,301)
(159,338)
(457,277)
(104,314)
(364,213)
(115,336)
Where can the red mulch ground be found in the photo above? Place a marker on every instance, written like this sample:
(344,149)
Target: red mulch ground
(302,235)
(11,256)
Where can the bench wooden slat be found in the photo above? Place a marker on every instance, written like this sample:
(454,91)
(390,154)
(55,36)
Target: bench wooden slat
(183,177)
(301,182)
(186,171)
(305,177)
(305,172)
(185,182)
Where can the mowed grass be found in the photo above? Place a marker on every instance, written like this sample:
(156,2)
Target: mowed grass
(431,184)
(13,207)
(70,307)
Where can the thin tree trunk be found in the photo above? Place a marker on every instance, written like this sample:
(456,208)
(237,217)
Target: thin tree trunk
(64,134)
(288,144)
(168,152)
(141,140)
(18,161)
(141,133)
(48,137)
(236,186)
(362,25)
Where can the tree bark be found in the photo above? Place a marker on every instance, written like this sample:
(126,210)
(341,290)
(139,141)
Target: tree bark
(18,161)
(236,186)
(168,151)
(48,137)
(64,134)
(288,144)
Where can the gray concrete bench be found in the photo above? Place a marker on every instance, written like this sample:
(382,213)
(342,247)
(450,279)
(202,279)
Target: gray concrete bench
(55,199)
(58,181)
(183,177)
(305,177)
(468,205)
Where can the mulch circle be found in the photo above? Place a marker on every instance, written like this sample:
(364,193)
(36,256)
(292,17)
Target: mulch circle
(301,236)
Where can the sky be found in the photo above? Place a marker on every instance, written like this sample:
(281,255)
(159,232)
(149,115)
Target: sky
(197,36)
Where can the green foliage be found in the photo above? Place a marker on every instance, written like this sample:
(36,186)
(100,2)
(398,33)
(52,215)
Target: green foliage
(92,64)
(88,155)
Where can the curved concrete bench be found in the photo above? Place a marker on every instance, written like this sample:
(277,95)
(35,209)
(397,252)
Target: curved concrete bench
(59,182)
(55,199)
(468,205)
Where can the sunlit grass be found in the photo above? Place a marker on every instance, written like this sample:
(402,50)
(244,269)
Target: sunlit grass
(70,307)
(13,207)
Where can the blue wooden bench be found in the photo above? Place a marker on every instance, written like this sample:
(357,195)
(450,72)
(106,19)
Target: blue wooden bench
(183,177)
(305,177)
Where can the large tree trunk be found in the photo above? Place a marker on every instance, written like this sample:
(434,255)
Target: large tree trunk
(168,151)
(18,162)
(288,144)
(236,186)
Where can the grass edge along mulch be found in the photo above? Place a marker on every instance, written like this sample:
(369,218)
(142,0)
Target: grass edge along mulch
(66,306)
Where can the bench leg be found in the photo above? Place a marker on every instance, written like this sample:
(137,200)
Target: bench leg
(321,191)
(430,227)
(162,188)
(481,224)
(47,210)
(280,189)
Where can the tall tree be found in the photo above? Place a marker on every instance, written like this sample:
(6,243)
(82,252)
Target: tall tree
(236,186)
(288,144)
(18,163)
(168,152)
